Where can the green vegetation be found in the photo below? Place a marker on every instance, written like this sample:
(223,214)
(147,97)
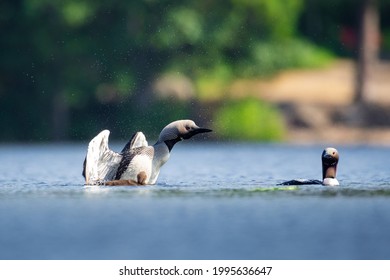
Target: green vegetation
(71,68)
(272,56)
(386,40)
(249,119)
(265,59)
(212,84)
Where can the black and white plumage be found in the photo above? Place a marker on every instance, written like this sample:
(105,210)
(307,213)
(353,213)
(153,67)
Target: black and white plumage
(330,159)
(138,163)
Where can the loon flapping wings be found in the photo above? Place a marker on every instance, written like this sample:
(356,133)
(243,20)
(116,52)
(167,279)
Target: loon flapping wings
(138,163)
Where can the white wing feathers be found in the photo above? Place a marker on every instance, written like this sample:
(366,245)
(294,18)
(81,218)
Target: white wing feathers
(138,140)
(101,163)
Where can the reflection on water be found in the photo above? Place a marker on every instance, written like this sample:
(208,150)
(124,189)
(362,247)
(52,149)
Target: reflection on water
(212,201)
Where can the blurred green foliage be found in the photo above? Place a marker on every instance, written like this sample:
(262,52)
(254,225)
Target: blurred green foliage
(271,56)
(71,68)
(249,119)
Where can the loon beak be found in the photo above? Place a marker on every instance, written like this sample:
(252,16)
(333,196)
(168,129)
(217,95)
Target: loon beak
(195,131)
(329,159)
(201,130)
(328,156)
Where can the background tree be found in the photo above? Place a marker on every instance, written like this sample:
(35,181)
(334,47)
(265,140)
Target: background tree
(368,48)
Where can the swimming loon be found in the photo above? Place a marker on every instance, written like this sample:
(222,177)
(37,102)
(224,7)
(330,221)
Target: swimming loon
(137,163)
(330,158)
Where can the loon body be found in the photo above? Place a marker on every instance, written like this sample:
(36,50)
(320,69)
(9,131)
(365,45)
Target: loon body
(137,163)
(330,159)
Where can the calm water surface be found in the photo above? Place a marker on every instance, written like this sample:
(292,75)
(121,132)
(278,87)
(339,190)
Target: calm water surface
(212,201)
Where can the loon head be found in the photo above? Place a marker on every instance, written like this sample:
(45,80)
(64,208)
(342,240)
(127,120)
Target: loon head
(179,130)
(330,159)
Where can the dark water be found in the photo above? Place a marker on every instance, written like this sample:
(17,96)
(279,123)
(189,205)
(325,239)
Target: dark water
(212,201)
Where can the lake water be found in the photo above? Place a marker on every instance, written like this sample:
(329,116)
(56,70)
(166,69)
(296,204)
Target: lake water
(211,201)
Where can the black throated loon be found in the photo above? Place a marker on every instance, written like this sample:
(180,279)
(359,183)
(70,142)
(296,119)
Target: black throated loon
(330,158)
(137,163)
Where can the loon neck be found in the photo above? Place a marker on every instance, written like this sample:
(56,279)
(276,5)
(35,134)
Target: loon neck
(171,143)
(329,171)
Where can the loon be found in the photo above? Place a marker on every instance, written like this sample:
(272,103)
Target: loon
(330,159)
(137,163)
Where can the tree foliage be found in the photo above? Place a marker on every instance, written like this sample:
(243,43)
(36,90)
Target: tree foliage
(71,67)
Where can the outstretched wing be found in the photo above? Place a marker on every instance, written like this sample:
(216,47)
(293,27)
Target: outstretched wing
(137,140)
(101,163)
